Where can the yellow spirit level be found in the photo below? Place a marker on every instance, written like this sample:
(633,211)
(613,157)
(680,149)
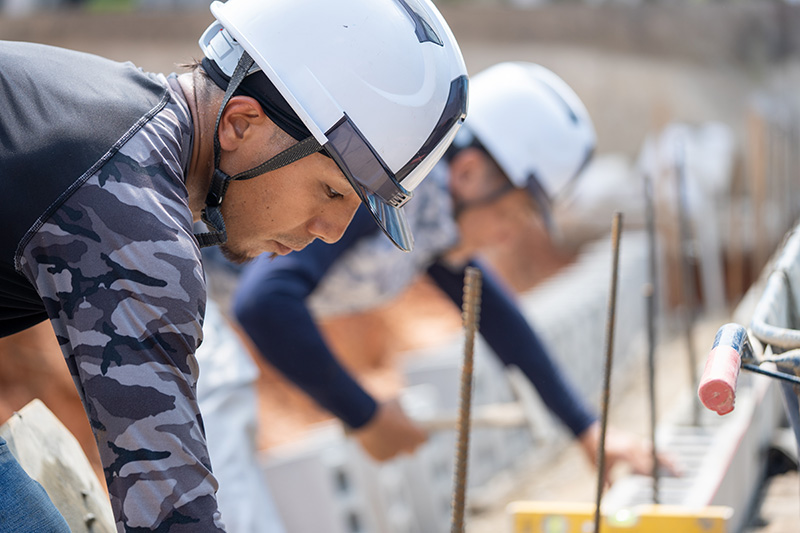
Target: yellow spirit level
(556,517)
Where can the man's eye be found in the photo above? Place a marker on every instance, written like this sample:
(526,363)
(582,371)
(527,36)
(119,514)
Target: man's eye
(332,193)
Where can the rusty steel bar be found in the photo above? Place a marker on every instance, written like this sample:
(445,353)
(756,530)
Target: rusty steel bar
(616,228)
(471,314)
(688,262)
(651,301)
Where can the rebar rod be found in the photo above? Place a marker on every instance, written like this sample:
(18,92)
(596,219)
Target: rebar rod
(687,257)
(616,227)
(650,301)
(471,315)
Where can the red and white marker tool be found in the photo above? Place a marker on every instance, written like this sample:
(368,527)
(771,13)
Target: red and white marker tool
(717,390)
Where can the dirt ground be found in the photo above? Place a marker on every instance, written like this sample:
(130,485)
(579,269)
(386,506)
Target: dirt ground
(568,477)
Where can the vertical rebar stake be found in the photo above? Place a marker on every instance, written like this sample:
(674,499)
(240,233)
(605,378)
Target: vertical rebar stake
(612,307)
(688,257)
(650,301)
(471,313)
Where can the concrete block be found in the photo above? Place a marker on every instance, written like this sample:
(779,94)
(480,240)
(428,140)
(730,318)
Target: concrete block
(300,481)
(49,453)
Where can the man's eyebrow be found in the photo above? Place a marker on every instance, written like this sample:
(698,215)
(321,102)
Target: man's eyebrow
(345,181)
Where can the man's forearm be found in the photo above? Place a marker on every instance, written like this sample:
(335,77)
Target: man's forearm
(513,340)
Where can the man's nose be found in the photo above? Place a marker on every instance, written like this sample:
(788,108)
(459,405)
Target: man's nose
(330,225)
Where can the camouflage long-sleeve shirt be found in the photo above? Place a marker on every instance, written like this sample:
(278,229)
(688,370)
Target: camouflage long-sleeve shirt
(118,272)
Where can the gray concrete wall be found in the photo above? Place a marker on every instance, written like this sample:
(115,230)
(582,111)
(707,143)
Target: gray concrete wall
(708,32)
(636,68)
(713,32)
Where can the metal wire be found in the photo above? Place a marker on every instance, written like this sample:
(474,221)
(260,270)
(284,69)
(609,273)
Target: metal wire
(471,315)
(777,375)
(616,227)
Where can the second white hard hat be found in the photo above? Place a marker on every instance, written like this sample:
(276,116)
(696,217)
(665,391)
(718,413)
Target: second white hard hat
(533,125)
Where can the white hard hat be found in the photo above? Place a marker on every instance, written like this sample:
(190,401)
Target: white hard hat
(380,85)
(533,125)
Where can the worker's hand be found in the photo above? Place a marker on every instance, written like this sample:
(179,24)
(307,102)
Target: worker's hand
(389,433)
(624,448)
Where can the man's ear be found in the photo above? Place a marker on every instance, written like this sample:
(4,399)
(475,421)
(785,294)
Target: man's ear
(240,118)
(467,171)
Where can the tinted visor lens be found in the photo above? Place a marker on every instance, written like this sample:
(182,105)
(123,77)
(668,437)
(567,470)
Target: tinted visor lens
(543,202)
(357,158)
(378,186)
(372,180)
(453,114)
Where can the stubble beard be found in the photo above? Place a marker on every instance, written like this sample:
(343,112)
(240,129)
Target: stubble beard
(234,256)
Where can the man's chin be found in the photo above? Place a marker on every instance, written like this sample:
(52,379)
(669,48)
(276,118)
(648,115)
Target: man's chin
(273,247)
(234,256)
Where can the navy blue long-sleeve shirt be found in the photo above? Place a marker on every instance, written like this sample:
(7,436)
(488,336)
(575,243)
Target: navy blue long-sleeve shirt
(271,305)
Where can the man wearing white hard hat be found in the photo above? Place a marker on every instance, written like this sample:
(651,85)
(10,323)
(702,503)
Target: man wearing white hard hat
(526,140)
(273,142)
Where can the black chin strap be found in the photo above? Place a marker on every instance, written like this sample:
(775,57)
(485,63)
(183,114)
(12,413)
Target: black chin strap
(212,215)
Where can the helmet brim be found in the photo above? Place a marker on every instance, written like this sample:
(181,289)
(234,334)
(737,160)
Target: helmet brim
(392,220)
(372,180)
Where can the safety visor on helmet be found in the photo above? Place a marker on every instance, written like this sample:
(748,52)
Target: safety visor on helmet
(544,201)
(378,187)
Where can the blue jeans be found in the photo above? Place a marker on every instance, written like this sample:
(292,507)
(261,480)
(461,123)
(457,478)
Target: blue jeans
(24,505)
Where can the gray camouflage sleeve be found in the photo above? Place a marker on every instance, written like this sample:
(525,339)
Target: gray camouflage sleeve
(121,277)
